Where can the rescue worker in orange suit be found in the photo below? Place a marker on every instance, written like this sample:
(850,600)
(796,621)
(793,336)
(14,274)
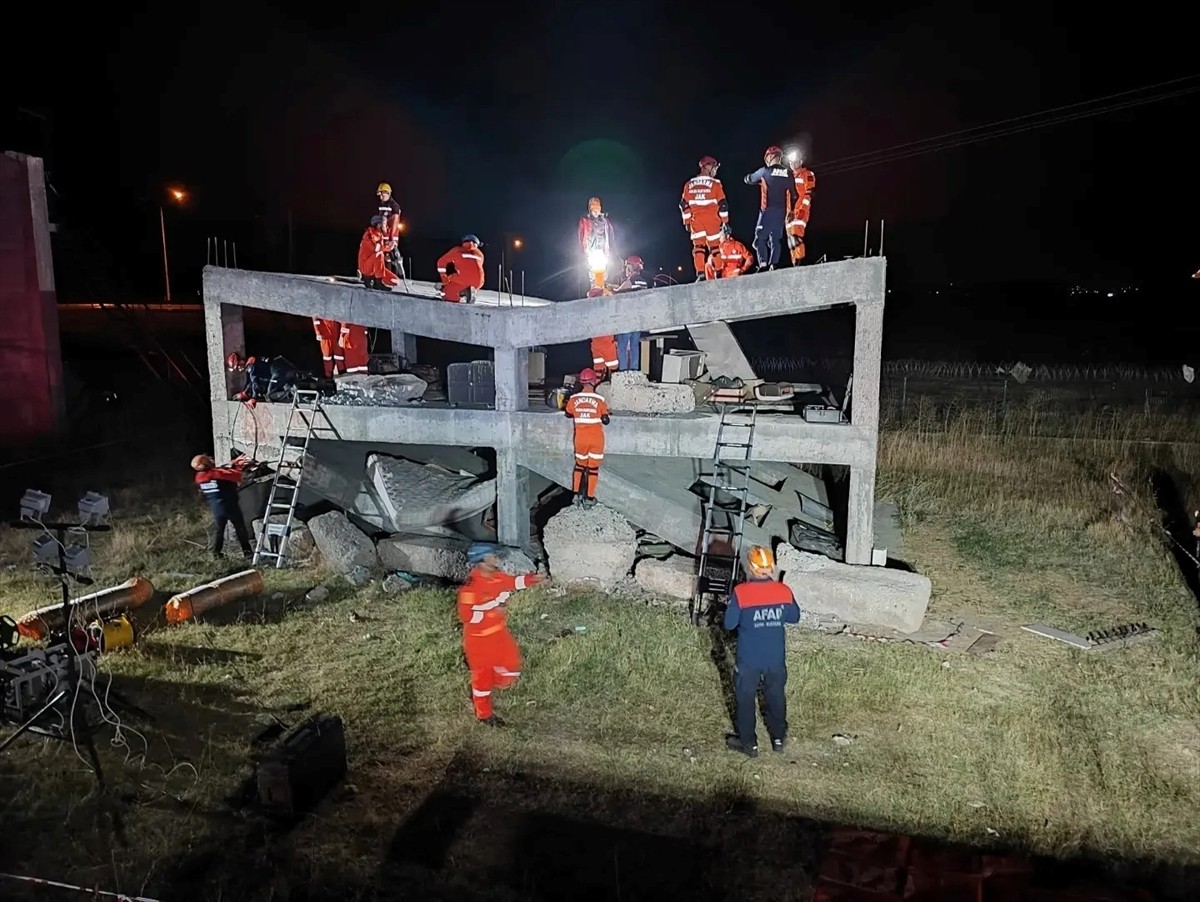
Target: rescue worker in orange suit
(805,183)
(704,211)
(731,258)
(629,344)
(758,608)
(372,257)
(219,487)
(343,347)
(589,410)
(491,651)
(605,358)
(775,182)
(353,345)
(392,226)
(596,240)
(461,271)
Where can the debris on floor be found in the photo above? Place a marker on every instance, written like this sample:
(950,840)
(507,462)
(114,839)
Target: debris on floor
(1098,640)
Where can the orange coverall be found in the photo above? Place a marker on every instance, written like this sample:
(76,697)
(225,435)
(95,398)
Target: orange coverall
(491,650)
(467,259)
(588,410)
(372,260)
(604,347)
(704,211)
(730,258)
(800,203)
(343,346)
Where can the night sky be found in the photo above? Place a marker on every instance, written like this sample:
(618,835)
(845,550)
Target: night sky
(497,119)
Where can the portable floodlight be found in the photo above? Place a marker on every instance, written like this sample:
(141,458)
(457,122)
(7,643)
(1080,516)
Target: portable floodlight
(34,505)
(77,558)
(45,550)
(93,508)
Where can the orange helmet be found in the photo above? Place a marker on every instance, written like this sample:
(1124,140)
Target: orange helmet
(589,377)
(774,152)
(202,462)
(761,561)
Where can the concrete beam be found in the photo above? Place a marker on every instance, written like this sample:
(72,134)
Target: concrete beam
(784,291)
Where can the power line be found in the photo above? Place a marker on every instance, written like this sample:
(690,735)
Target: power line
(1005,127)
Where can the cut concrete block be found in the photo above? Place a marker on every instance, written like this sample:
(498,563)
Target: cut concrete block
(855,593)
(593,546)
(342,545)
(446,558)
(674,578)
(633,393)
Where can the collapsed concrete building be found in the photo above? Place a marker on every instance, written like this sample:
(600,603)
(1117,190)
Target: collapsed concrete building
(659,444)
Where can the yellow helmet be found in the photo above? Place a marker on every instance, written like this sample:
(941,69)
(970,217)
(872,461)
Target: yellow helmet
(383,187)
(761,561)
(202,462)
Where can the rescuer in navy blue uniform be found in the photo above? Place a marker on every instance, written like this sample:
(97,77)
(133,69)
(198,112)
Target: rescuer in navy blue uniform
(758,609)
(774,180)
(219,487)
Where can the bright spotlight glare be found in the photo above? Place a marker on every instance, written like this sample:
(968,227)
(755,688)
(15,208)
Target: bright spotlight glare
(597,260)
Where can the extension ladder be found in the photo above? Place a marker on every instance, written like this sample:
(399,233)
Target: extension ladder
(301,421)
(731,475)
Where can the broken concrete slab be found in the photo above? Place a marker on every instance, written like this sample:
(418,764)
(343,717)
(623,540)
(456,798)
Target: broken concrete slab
(343,547)
(413,496)
(593,546)
(674,577)
(515,561)
(361,390)
(445,558)
(855,593)
(632,392)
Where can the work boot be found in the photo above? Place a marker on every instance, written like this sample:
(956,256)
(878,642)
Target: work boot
(736,745)
(491,721)
(701,277)
(777,745)
(589,503)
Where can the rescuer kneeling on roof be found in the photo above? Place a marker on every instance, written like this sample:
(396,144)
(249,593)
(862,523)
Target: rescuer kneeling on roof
(492,652)
(758,609)
(461,271)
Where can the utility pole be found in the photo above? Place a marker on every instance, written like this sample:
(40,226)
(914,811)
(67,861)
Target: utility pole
(162,225)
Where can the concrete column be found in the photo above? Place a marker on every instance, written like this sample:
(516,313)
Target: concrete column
(405,345)
(864,413)
(512,379)
(224,333)
(512,500)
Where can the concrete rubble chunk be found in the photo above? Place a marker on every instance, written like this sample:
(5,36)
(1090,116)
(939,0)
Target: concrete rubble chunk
(515,561)
(593,546)
(367,391)
(413,496)
(359,576)
(300,544)
(855,593)
(674,577)
(342,545)
(394,585)
(633,393)
(428,556)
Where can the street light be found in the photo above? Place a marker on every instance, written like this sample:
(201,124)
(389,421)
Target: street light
(178,195)
(518,243)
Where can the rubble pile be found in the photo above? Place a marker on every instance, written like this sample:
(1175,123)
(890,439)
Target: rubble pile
(359,390)
(593,546)
(632,392)
(855,593)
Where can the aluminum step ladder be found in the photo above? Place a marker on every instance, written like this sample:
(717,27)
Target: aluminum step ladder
(723,543)
(301,422)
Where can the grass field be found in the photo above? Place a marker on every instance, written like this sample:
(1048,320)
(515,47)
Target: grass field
(612,780)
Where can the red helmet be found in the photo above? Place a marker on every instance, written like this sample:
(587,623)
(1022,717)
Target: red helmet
(250,361)
(635,261)
(709,161)
(773,151)
(589,377)
(233,361)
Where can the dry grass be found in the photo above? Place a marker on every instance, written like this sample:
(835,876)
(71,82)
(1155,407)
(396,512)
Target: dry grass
(1054,751)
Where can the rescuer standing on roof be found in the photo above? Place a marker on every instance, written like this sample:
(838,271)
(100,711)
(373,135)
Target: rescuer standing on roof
(491,651)
(629,347)
(372,257)
(800,202)
(461,271)
(731,258)
(219,487)
(758,608)
(596,241)
(704,211)
(774,180)
(589,410)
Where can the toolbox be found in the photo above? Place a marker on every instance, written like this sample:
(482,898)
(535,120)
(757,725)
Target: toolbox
(308,762)
(471,383)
